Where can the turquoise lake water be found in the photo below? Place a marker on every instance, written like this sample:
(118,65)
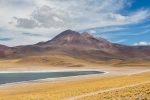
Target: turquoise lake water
(19,77)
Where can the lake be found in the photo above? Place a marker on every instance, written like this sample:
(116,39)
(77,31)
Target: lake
(20,77)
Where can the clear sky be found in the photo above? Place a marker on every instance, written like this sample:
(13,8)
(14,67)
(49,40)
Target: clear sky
(25,22)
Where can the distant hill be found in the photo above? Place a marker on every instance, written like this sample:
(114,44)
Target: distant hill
(80,46)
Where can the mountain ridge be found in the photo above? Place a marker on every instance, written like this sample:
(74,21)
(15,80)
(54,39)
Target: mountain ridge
(74,44)
(71,38)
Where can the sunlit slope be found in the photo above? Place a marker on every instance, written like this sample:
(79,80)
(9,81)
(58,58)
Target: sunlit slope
(60,60)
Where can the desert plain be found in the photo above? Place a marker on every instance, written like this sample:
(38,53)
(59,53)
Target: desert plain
(126,77)
(130,82)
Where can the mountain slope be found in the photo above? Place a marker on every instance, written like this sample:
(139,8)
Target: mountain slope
(79,46)
(72,39)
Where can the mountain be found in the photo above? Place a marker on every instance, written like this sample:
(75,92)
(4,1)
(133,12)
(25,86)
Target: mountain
(72,39)
(80,46)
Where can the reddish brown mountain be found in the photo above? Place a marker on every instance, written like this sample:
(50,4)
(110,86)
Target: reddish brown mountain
(72,39)
(78,45)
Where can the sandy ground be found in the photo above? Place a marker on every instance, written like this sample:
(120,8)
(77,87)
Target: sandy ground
(33,90)
(107,90)
(109,72)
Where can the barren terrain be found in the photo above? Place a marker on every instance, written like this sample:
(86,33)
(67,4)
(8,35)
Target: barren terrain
(65,88)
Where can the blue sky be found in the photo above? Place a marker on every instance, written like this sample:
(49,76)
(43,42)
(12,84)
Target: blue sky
(30,21)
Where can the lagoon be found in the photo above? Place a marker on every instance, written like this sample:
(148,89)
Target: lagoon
(21,77)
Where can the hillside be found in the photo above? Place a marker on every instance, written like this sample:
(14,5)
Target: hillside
(78,46)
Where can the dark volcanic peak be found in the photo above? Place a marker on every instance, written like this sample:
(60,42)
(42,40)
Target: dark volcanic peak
(69,32)
(62,37)
(74,39)
(66,34)
(67,38)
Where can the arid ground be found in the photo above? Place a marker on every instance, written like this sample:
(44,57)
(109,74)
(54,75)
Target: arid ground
(86,87)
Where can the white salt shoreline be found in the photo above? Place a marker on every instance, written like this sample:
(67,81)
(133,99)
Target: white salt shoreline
(48,70)
(51,79)
(108,72)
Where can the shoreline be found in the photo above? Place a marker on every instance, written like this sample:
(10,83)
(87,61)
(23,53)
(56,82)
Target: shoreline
(108,72)
(49,70)
(49,80)
(52,79)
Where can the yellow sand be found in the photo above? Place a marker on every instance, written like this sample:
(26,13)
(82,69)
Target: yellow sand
(47,61)
(139,92)
(62,90)
(50,60)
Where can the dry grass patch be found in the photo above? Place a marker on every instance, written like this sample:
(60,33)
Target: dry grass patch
(139,92)
(62,90)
